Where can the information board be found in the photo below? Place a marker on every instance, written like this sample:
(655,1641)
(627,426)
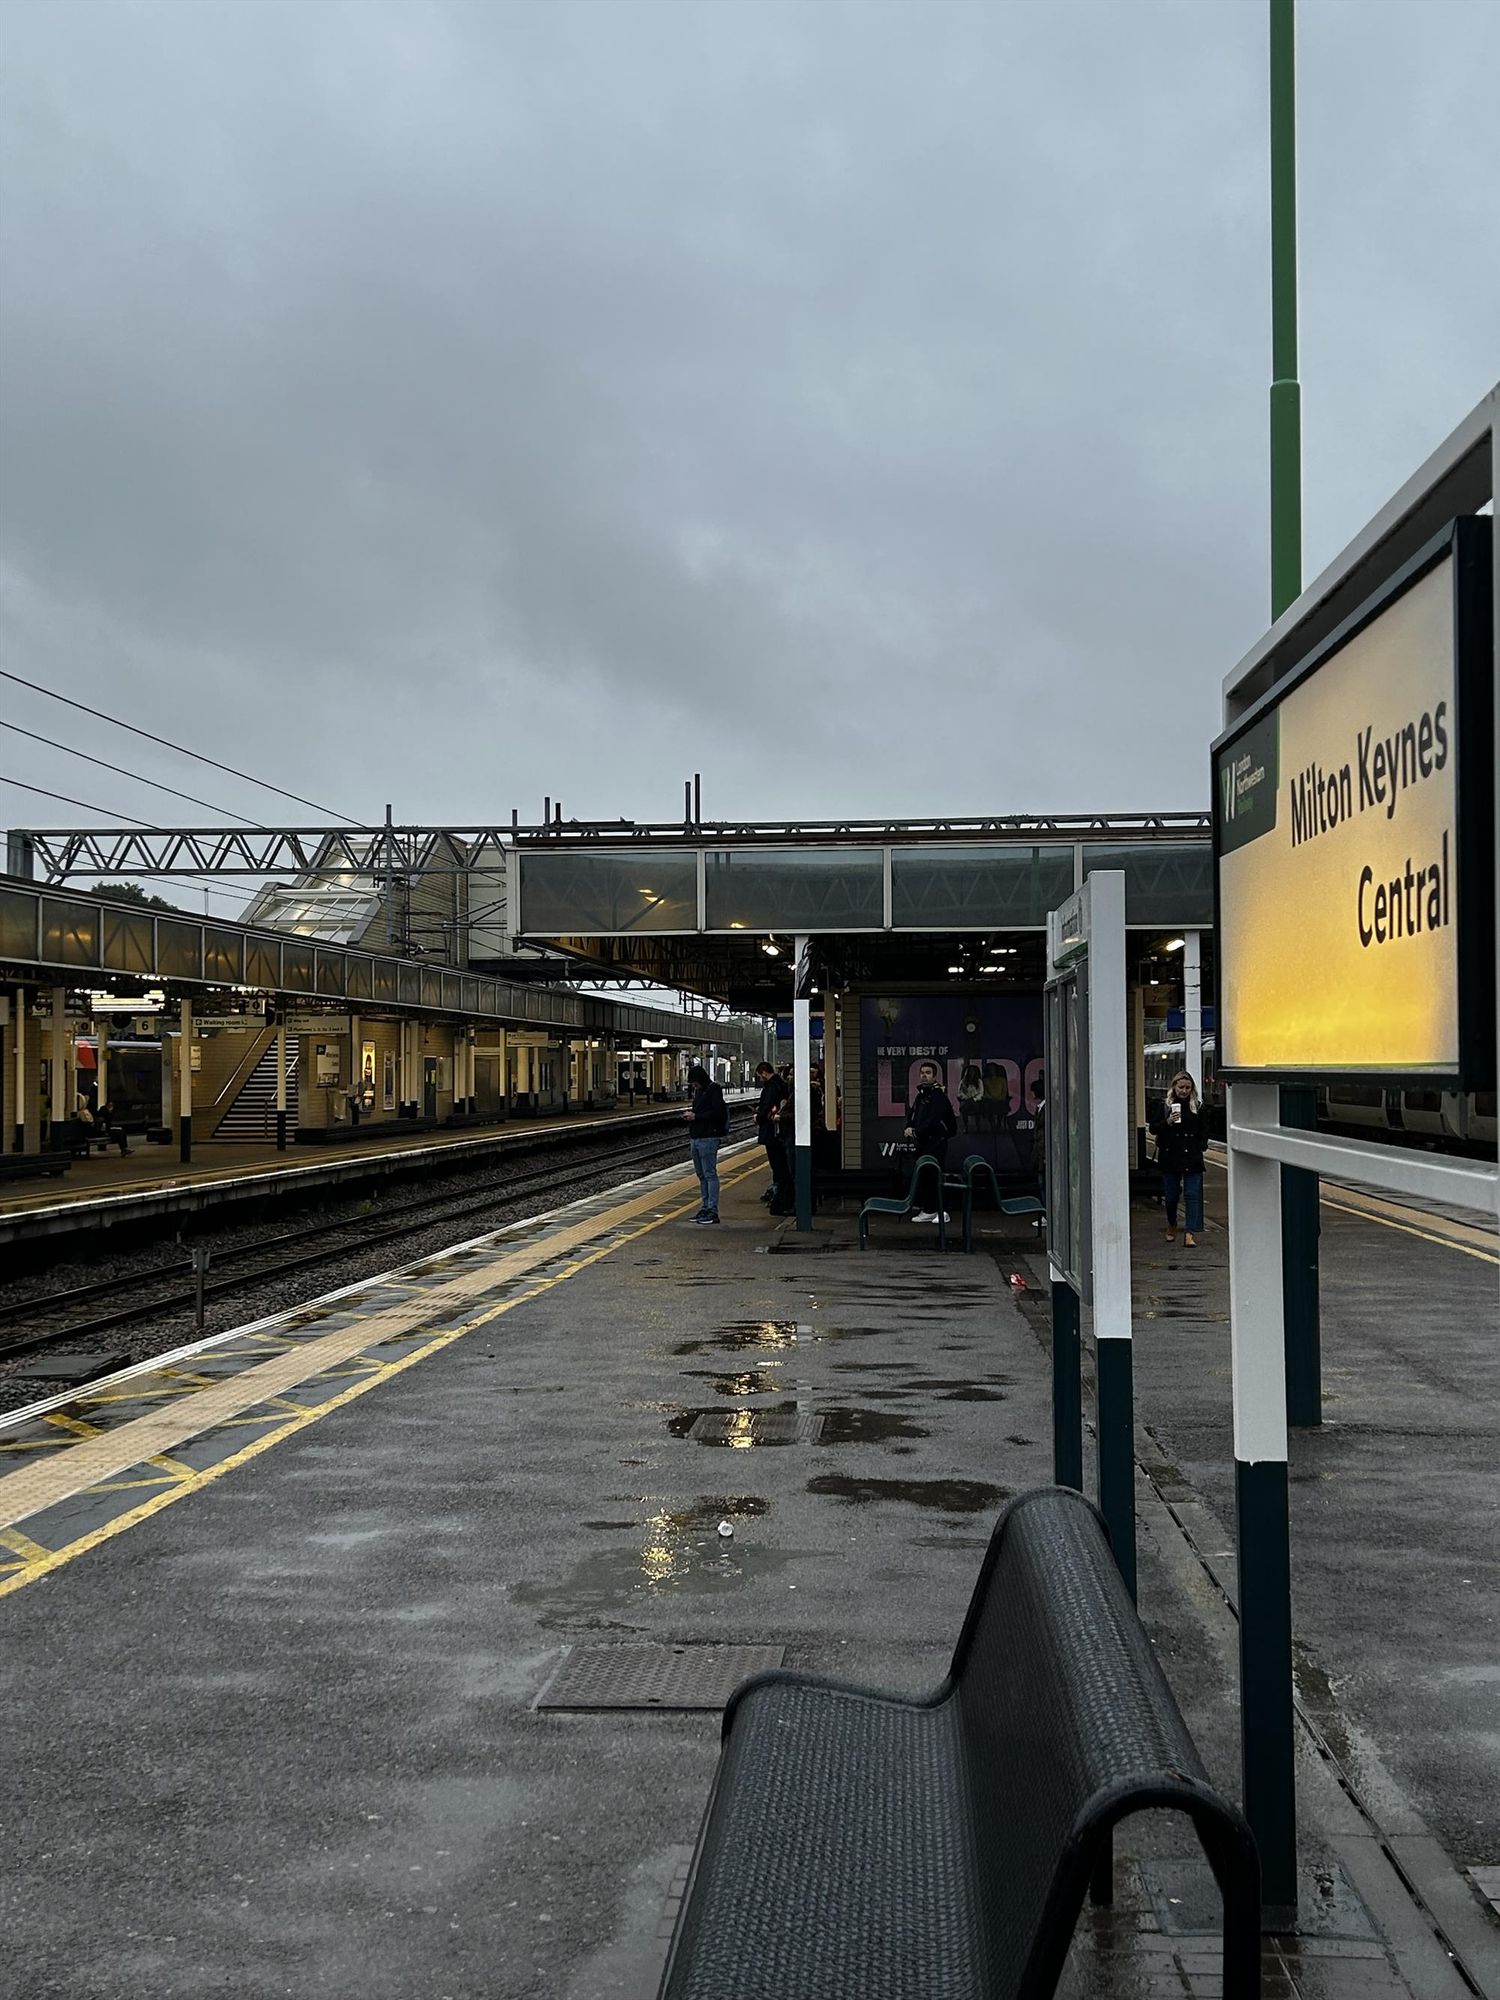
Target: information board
(1353,810)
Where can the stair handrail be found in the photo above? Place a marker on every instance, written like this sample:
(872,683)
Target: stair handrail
(240,1076)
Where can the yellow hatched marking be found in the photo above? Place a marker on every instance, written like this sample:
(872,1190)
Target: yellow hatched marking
(386,1370)
(35,1444)
(174,1466)
(22,1545)
(75,1426)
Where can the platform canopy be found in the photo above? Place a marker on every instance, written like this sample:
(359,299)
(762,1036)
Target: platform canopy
(713,909)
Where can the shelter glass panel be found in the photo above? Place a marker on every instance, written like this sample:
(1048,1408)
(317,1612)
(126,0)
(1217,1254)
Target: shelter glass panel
(608,895)
(358,979)
(129,942)
(17,925)
(296,968)
(1166,882)
(978,888)
(409,985)
(262,963)
(70,932)
(795,889)
(330,972)
(224,956)
(179,950)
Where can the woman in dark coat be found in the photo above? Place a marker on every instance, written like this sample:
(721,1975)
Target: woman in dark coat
(1178,1125)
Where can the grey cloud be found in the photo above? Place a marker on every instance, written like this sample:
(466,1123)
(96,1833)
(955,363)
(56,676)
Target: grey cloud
(863,404)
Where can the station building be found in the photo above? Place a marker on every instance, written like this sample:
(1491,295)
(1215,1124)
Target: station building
(239,1017)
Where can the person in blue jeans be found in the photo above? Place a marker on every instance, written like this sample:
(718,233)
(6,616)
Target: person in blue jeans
(708,1126)
(1180,1132)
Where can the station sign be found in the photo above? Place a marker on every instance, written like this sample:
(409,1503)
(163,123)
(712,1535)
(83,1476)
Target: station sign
(230,1021)
(317,1024)
(1353,813)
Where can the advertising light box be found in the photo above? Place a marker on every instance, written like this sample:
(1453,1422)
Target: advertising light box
(1353,843)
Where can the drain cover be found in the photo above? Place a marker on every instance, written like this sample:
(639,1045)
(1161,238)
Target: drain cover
(654,1676)
(747,1427)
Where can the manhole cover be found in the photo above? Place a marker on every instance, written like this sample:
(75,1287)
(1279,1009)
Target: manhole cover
(747,1427)
(654,1676)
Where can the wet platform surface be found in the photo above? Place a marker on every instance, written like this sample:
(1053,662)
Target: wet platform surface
(276,1732)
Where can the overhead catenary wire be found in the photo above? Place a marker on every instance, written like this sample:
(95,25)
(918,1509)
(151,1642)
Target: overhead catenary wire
(167,744)
(63,798)
(119,771)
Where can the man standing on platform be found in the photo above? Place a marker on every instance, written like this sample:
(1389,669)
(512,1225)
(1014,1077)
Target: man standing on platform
(768,1131)
(708,1127)
(931,1123)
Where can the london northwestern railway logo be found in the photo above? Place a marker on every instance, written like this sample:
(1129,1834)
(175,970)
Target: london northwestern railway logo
(1249,775)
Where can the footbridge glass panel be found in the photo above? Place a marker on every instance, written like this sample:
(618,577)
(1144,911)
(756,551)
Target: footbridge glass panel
(978,888)
(784,889)
(70,932)
(130,943)
(609,895)
(1166,882)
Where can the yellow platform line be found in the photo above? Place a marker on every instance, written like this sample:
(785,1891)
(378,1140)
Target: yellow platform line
(309,1356)
(1445,1242)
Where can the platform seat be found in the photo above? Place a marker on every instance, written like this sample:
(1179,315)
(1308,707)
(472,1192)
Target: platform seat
(863,1846)
(976,1170)
(889,1204)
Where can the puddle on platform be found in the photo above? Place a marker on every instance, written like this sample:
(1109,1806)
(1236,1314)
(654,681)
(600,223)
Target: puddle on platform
(943,1496)
(676,1549)
(751,1382)
(837,1426)
(770,1336)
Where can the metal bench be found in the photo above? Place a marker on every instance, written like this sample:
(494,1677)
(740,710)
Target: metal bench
(864,1846)
(977,1167)
(887,1204)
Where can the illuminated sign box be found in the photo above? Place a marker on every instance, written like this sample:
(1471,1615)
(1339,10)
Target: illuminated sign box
(1354,847)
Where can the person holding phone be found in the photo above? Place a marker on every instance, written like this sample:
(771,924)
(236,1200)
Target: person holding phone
(1179,1128)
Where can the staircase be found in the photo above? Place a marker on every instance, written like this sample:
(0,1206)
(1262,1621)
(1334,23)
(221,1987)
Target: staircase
(252,1116)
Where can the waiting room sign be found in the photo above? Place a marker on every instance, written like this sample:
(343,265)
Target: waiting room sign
(1354,844)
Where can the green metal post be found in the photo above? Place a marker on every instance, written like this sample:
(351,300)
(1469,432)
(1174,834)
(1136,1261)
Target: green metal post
(1263,1520)
(1299,1189)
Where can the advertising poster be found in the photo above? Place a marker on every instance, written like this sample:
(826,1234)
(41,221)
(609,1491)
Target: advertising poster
(989,1051)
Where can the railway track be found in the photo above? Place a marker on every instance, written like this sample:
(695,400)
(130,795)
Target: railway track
(49,1319)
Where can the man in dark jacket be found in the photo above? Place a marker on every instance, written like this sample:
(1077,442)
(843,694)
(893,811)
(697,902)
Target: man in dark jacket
(708,1126)
(930,1123)
(768,1130)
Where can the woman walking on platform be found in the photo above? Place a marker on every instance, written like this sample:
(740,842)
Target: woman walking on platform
(1180,1133)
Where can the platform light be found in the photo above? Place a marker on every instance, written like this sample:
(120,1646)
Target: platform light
(955,968)
(1174,944)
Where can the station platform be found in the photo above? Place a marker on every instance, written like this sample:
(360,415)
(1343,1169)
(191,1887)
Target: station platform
(150,1181)
(278,1612)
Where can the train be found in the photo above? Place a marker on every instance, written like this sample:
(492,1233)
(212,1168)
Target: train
(1440,1120)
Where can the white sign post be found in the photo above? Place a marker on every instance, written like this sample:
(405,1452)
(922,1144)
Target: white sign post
(1088,1193)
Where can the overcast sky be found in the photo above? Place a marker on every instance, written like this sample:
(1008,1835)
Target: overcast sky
(456,401)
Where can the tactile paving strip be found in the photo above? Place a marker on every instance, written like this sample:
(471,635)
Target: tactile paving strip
(747,1427)
(654,1676)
